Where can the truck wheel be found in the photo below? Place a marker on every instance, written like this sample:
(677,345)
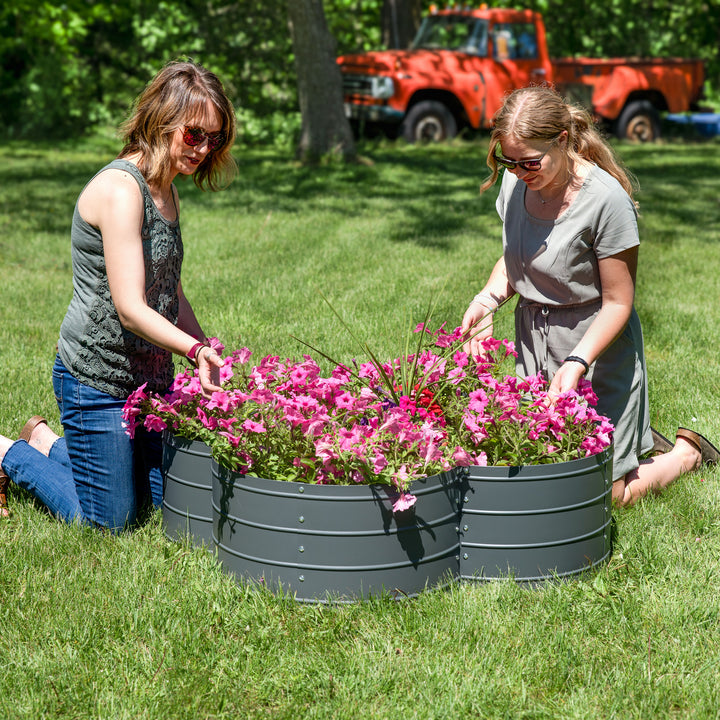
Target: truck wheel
(428,121)
(639,122)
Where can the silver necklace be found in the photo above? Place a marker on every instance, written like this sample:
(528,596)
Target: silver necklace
(554,197)
(563,188)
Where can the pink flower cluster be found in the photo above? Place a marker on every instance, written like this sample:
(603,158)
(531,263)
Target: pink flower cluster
(389,422)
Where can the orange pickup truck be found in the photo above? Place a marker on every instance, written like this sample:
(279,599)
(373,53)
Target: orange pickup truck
(463,62)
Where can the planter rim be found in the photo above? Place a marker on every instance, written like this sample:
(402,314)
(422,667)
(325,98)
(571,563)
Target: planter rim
(567,468)
(189,446)
(291,488)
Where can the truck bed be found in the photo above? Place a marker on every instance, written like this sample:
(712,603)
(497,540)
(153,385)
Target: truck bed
(675,84)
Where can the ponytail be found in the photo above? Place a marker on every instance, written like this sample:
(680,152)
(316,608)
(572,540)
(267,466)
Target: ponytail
(586,143)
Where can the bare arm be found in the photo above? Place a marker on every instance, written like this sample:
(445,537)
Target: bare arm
(186,317)
(478,320)
(617,280)
(112,202)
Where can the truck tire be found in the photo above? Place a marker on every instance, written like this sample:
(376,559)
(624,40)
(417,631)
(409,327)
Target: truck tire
(428,121)
(639,122)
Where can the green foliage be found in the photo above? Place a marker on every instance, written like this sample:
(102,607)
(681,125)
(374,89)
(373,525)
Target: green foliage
(73,65)
(77,64)
(355,24)
(280,128)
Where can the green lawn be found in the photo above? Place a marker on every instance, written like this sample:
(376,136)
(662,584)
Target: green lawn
(138,627)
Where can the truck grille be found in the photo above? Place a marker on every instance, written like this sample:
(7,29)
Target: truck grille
(357,84)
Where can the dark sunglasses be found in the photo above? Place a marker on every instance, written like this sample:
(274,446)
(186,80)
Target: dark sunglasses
(528,165)
(193,136)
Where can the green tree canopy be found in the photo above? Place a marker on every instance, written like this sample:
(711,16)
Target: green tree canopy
(67,66)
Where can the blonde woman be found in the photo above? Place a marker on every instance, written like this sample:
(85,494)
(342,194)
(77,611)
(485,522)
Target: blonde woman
(570,250)
(128,313)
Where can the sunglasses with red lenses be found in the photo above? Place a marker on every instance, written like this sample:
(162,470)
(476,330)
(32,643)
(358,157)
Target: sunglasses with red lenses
(528,165)
(193,136)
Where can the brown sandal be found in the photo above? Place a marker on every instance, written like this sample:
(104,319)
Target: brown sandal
(709,453)
(4,483)
(25,434)
(661,444)
(30,425)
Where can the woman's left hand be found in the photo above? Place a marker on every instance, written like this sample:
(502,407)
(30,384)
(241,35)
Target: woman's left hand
(209,364)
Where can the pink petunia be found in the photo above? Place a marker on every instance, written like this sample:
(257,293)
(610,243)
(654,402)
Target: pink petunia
(462,457)
(220,400)
(233,439)
(252,426)
(155,423)
(404,502)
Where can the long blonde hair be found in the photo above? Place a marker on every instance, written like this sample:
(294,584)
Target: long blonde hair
(540,113)
(178,92)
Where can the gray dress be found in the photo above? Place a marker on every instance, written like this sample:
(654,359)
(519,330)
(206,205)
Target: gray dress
(553,266)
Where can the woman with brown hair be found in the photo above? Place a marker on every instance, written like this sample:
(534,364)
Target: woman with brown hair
(128,313)
(570,250)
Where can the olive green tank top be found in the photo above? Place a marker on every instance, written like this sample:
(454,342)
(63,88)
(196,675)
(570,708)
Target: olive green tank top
(93,344)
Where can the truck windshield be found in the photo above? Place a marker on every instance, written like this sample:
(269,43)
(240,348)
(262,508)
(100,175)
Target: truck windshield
(452,32)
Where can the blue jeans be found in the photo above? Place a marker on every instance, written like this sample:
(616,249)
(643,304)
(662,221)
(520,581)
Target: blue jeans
(95,474)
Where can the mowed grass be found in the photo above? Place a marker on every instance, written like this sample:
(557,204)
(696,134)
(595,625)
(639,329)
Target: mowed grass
(135,626)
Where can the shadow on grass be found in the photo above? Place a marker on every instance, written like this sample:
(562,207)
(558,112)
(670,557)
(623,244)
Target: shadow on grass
(433,191)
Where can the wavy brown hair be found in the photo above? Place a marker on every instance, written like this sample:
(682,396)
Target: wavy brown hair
(539,113)
(179,92)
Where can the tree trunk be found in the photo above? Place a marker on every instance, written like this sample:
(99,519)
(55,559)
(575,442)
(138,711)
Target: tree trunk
(400,22)
(325,129)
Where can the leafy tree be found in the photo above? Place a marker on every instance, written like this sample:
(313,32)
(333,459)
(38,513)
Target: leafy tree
(400,22)
(67,66)
(355,24)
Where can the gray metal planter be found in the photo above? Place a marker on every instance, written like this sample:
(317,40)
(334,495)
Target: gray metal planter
(535,522)
(331,543)
(187,500)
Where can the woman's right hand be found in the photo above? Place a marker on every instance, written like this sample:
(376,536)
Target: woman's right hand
(477,325)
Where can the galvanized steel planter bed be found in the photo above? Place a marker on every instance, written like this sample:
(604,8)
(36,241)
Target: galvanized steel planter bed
(333,543)
(187,500)
(535,522)
(330,543)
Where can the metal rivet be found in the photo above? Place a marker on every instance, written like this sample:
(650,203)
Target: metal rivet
(301,549)
(301,519)
(301,578)
(465,556)
(457,529)
(466,499)
(301,489)
(465,528)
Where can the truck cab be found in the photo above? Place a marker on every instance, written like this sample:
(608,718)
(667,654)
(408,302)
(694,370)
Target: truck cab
(455,73)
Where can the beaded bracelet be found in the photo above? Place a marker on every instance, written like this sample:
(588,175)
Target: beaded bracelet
(577,359)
